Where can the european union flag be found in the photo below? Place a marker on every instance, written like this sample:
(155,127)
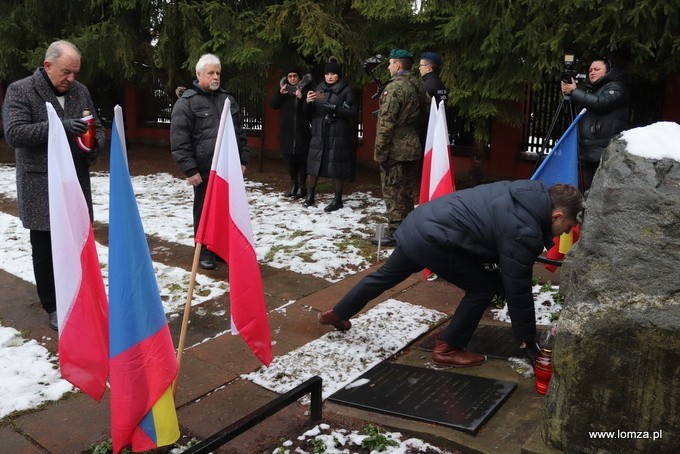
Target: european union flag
(561,164)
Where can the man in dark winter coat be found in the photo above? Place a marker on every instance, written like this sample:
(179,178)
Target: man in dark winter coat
(607,102)
(26,130)
(194,124)
(429,70)
(472,238)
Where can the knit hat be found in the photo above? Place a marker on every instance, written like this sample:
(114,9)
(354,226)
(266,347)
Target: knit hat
(294,69)
(332,67)
(431,56)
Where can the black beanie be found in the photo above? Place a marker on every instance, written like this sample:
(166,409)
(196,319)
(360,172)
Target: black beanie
(332,67)
(294,69)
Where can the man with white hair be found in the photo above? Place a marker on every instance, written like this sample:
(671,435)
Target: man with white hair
(193,133)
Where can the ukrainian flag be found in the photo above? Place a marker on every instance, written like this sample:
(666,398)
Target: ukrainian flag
(143,364)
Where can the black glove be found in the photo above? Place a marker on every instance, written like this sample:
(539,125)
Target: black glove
(329,108)
(74,126)
(384,166)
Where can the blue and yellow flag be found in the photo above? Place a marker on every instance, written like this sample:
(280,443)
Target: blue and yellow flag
(561,166)
(143,364)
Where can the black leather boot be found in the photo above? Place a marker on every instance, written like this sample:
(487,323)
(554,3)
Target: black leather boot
(336,204)
(302,192)
(309,201)
(293,190)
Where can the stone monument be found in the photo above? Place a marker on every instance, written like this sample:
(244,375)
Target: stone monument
(616,385)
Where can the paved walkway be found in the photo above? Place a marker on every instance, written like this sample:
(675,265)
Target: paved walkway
(211,395)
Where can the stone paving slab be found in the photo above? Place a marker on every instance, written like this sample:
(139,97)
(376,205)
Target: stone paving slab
(69,425)
(13,442)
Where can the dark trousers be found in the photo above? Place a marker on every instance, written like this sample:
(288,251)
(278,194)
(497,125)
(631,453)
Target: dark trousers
(41,246)
(199,199)
(468,274)
(298,172)
(588,170)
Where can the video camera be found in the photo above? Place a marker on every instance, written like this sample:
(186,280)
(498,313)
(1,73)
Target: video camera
(569,70)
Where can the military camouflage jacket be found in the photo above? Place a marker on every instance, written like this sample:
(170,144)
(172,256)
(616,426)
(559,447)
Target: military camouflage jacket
(404,106)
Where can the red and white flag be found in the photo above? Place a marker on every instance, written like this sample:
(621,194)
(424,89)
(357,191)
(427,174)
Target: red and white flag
(427,157)
(437,178)
(225,229)
(82,308)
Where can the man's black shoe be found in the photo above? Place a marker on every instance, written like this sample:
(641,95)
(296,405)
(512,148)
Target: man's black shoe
(208,264)
(207,259)
(54,322)
(531,351)
(387,240)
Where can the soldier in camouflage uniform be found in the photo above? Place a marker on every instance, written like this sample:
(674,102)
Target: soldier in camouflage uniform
(404,107)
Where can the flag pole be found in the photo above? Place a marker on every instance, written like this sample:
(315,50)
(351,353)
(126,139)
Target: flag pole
(187,311)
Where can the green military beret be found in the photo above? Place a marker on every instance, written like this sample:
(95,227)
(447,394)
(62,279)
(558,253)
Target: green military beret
(400,53)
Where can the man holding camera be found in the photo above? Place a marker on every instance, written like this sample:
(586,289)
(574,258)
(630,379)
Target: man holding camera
(404,106)
(194,124)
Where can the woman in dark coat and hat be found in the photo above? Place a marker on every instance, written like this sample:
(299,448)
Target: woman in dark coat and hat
(606,99)
(294,133)
(331,150)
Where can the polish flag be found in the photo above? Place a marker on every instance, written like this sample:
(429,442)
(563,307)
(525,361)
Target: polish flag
(427,157)
(226,230)
(437,178)
(82,308)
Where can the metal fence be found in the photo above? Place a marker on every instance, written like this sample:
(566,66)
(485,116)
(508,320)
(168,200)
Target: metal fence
(540,110)
(543,108)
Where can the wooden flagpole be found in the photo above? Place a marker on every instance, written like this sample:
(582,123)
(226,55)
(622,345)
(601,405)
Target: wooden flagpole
(187,311)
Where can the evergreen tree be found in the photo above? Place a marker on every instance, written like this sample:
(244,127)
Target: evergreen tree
(493,51)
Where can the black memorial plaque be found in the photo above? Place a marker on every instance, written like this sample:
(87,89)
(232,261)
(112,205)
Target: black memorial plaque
(463,402)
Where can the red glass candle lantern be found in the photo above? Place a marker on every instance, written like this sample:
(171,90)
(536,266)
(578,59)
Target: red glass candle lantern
(543,370)
(87,140)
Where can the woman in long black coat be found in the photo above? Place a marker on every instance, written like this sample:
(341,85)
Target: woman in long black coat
(331,150)
(606,98)
(294,133)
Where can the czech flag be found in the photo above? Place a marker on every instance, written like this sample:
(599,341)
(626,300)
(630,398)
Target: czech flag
(226,230)
(561,166)
(143,361)
(80,292)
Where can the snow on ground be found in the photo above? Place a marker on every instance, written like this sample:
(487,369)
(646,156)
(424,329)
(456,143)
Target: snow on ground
(29,374)
(287,235)
(173,283)
(341,357)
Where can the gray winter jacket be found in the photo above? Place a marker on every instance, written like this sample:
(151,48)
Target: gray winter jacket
(26,130)
(193,129)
